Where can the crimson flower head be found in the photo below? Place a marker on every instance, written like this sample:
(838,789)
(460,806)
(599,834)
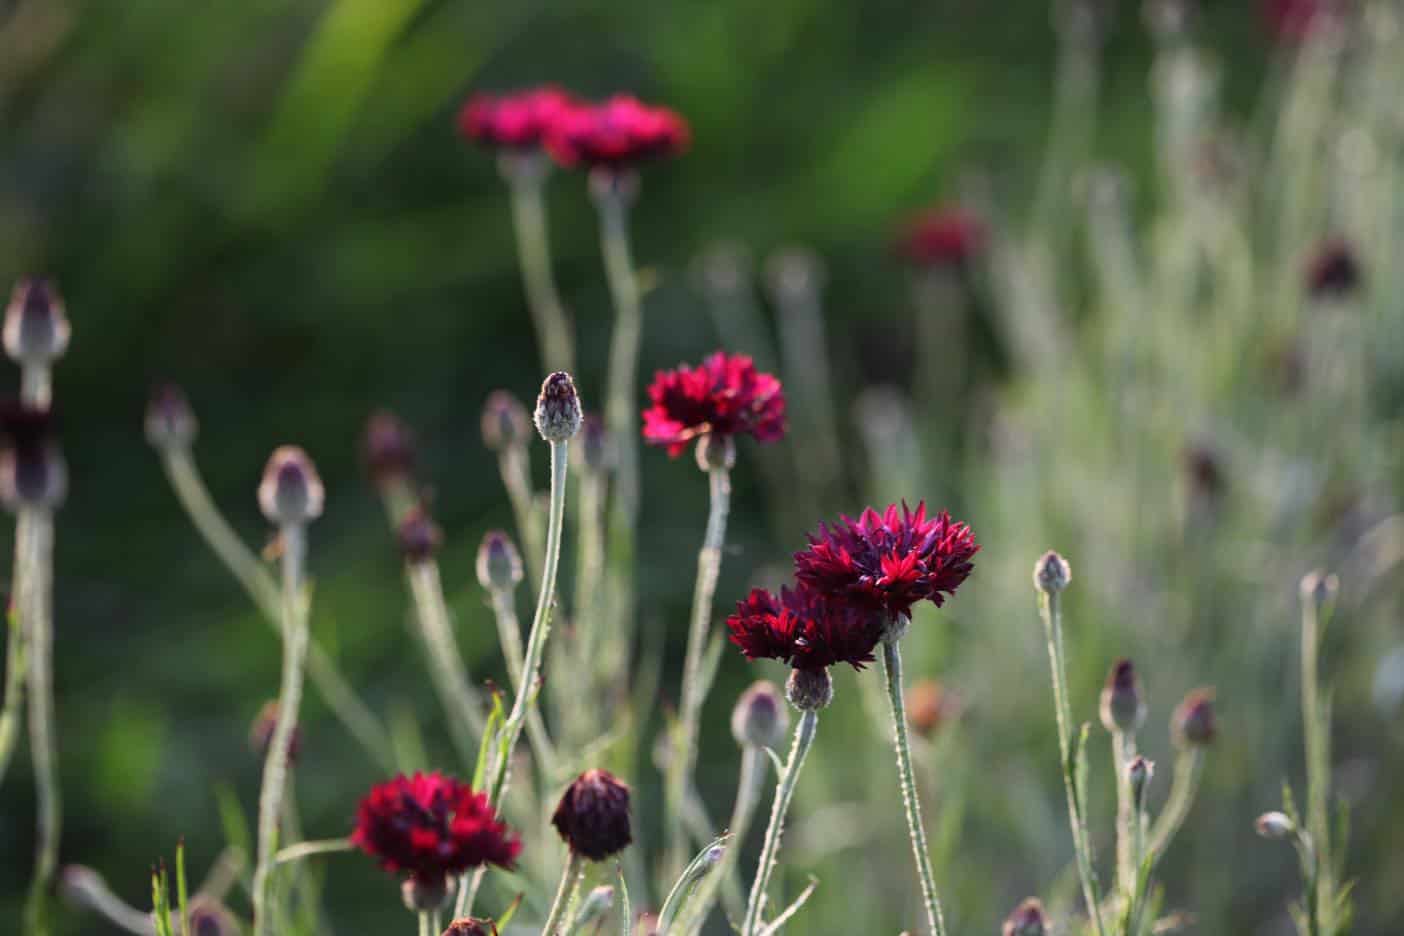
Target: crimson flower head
(429,826)
(617,134)
(520,120)
(1295,20)
(888,562)
(801,628)
(724,396)
(942,237)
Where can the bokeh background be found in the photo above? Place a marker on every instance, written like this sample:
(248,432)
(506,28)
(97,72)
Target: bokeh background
(267,202)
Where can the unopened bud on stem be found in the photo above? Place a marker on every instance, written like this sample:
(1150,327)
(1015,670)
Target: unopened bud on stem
(759,718)
(419,536)
(387,447)
(36,329)
(1139,772)
(1052,573)
(499,563)
(424,896)
(1192,724)
(595,449)
(1123,709)
(505,421)
(1320,587)
(33,473)
(1275,825)
(291,493)
(809,690)
(1026,920)
(558,414)
(170,422)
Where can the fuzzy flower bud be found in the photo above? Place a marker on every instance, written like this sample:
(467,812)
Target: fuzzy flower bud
(499,563)
(419,536)
(170,422)
(1123,709)
(36,330)
(716,451)
(759,719)
(33,473)
(1026,920)
(809,689)
(593,815)
(1275,825)
(471,926)
(1320,587)
(1192,724)
(558,413)
(1052,573)
(387,447)
(424,895)
(291,493)
(505,421)
(1139,772)
(261,732)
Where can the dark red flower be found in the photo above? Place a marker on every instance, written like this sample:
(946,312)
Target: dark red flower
(1334,271)
(1295,20)
(593,815)
(617,134)
(429,826)
(888,562)
(801,628)
(724,396)
(943,237)
(519,120)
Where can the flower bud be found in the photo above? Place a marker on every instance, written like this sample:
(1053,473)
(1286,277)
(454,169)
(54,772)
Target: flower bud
(759,718)
(593,815)
(424,895)
(558,414)
(1192,724)
(716,452)
(1052,573)
(36,330)
(809,690)
(261,733)
(471,926)
(1275,825)
(1123,709)
(505,421)
(1320,587)
(387,447)
(291,493)
(1139,772)
(33,473)
(170,422)
(1334,271)
(499,563)
(211,918)
(596,448)
(419,536)
(929,706)
(1026,920)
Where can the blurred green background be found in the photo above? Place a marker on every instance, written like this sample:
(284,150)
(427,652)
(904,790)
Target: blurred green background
(267,203)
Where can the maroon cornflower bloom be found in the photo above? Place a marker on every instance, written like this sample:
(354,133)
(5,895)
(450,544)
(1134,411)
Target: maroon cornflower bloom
(593,815)
(801,628)
(520,120)
(888,562)
(1334,271)
(617,134)
(1295,20)
(724,396)
(943,237)
(429,826)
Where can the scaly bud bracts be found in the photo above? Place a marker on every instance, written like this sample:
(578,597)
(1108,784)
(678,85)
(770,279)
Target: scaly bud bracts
(505,421)
(809,690)
(1026,920)
(1192,724)
(499,563)
(558,413)
(593,815)
(759,719)
(291,493)
(36,330)
(1123,709)
(1052,573)
(170,422)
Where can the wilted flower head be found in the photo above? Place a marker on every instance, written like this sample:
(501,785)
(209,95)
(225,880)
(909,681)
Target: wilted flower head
(593,815)
(261,732)
(419,536)
(888,562)
(558,414)
(32,470)
(1123,708)
(499,562)
(944,237)
(36,329)
(291,492)
(471,926)
(387,447)
(429,826)
(1026,920)
(724,396)
(505,421)
(930,706)
(617,134)
(759,718)
(1052,573)
(1193,723)
(170,422)
(802,628)
(1334,271)
(518,120)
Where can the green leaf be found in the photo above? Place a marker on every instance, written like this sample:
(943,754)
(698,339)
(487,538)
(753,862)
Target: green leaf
(626,912)
(507,914)
(232,819)
(779,764)
(182,890)
(697,869)
(494,724)
(161,901)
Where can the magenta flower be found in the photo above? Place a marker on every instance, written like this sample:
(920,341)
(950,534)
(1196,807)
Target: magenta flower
(1295,20)
(801,628)
(520,120)
(724,396)
(617,134)
(888,562)
(942,237)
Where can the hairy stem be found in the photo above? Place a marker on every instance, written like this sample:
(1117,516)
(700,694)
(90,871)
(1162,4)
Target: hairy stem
(1123,750)
(1318,763)
(748,790)
(37,604)
(14,655)
(509,634)
(784,792)
(426,924)
(1189,767)
(515,465)
(553,329)
(571,877)
(466,722)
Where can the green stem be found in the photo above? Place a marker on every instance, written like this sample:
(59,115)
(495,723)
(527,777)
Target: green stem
(37,605)
(360,722)
(509,634)
(748,790)
(14,656)
(275,764)
(553,329)
(784,792)
(1189,767)
(36,385)
(600,668)
(426,924)
(1053,628)
(466,722)
(515,465)
(693,694)
(571,877)
(307,849)
(1123,750)
(892,667)
(1318,757)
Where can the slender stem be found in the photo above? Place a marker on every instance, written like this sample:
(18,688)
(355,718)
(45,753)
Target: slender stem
(1135,895)
(1053,628)
(1318,763)
(14,655)
(86,887)
(509,634)
(307,849)
(684,757)
(784,792)
(37,603)
(599,667)
(892,667)
(275,764)
(1189,767)
(571,877)
(515,465)
(360,722)
(1123,750)
(748,789)
(553,329)
(460,702)
(426,924)
(36,385)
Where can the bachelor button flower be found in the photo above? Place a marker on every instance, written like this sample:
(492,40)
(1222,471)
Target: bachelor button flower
(36,330)
(1334,272)
(888,562)
(519,120)
(387,447)
(802,628)
(617,134)
(942,238)
(724,396)
(32,469)
(593,815)
(429,826)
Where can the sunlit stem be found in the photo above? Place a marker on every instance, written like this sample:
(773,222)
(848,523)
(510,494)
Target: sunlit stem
(748,790)
(784,792)
(14,658)
(515,465)
(1189,768)
(526,179)
(571,877)
(466,722)
(509,635)
(36,605)
(1123,751)
(1318,763)
(426,924)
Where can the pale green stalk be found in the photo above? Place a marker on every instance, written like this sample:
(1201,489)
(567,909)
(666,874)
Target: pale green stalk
(509,634)
(748,790)
(307,849)
(1123,750)
(466,722)
(784,792)
(1317,741)
(37,604)
(906,774)
(599,665)
(515,465)
(14,659)
(571,877)
(1189,767)
(275,764)
(553,329)
(426,924)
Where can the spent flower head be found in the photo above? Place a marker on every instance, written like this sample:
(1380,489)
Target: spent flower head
(558,414)
(506,423)
(1123,708)
(722,397)
(1193,723)
(617,134)
(516,120)
(593,815)
(33,472)
(36,330)
(804,629)
(499,563)
(170,422)
(291,492)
